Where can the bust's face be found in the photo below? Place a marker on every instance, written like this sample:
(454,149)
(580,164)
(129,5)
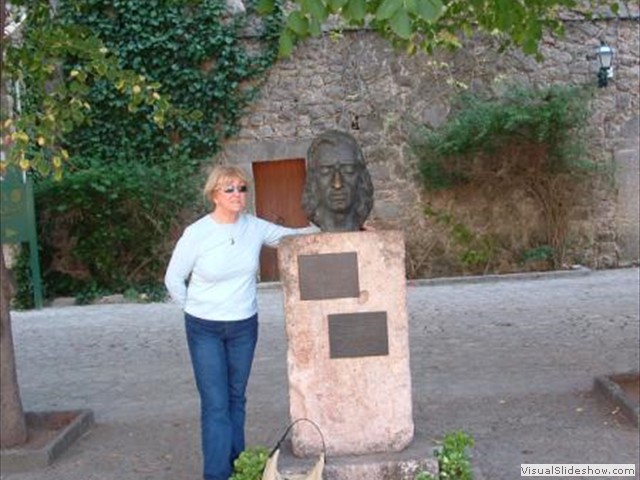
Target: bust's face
(336,172)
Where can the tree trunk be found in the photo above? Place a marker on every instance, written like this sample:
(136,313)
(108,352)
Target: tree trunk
(13,427)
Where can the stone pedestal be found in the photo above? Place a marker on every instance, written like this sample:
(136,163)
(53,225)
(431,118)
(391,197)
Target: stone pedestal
(348,344)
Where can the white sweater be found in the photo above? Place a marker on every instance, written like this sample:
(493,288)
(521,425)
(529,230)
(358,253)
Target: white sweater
(223,261)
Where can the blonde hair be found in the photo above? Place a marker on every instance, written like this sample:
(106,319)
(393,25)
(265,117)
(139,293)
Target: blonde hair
(222,174)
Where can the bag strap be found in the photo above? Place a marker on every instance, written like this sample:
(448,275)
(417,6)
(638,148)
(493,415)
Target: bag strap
(286,432)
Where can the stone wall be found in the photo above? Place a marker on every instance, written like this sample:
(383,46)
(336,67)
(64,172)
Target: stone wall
(359,83)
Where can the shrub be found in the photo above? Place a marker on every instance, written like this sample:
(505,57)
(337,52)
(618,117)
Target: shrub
(250,464)
(110,227)
(453,458)
(525,149)
(477,140)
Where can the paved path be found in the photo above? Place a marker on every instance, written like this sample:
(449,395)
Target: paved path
(510,361)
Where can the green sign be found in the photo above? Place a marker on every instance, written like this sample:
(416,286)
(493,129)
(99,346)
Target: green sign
(14,207)
(18,220)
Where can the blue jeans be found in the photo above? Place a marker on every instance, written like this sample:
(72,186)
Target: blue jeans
(221,356)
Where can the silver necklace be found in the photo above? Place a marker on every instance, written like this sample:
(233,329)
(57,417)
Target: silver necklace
(231,227)
(232,233)
(232,239)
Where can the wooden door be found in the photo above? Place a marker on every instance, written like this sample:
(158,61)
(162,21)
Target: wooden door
(278,196)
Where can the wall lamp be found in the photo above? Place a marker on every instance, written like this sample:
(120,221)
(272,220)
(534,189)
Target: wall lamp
(604,53)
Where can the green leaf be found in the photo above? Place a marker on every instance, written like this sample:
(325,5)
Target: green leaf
(265,7)
(335,5)
(429,10)
(355,10)
(400,23)
(77,115)
(530,45)
(504,15)
(285,46)
(315,27)
(298,23)
(532,37)
(316,8)
(387,9)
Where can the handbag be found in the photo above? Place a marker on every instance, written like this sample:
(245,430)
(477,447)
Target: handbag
(271,468)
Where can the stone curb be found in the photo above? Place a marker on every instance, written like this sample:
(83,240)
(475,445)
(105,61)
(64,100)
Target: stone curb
(23,459)
(607,386)
(578,270)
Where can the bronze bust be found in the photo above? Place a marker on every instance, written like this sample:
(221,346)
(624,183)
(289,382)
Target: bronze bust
(338,193)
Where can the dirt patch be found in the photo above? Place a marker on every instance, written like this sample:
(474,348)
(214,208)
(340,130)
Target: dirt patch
(630,386)
(624,390)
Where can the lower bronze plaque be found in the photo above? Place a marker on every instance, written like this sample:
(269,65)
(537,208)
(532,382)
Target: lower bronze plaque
(329,275)
(358,335)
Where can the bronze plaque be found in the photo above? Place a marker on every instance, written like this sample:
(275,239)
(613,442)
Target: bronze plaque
(329,275)
(358,335)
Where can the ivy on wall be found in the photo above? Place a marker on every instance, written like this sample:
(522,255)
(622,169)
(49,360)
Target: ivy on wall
(131,180)
(200,55)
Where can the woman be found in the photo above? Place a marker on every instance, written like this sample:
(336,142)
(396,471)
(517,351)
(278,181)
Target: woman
(218,255)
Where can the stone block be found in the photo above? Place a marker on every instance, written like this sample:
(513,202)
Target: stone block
(360,397)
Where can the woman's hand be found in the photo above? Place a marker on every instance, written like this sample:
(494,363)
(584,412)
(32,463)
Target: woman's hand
(368,227)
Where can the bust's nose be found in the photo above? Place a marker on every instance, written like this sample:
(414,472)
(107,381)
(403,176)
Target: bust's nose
(336,179)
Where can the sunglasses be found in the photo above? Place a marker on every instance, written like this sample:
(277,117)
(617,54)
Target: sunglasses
(233,188)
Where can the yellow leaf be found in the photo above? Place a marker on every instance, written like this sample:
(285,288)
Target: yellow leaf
(57,162)
(20,136)
(24,164)
(65,154)
(159,120)
(74,73)
(136,89)
(41,141)
(8,122)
